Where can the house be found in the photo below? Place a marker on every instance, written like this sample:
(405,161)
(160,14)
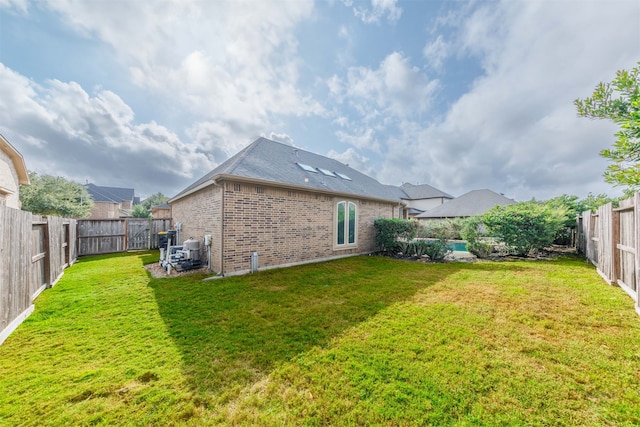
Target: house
(111,202)
(13,173)
(286,205)
(421,198)
(473,203)
(162,211)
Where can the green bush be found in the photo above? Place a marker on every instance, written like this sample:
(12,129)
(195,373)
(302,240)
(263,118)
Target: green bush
(434,229)
(391,230)
(524,227)
(436,250)
(480,249)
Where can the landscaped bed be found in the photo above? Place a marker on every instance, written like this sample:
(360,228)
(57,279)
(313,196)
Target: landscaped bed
(358,341)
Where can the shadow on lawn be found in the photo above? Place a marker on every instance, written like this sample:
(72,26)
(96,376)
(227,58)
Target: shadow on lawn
(233,332)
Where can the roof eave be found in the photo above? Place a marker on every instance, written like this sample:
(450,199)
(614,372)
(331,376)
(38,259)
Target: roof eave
(249,180)
(205,184)
(17,159)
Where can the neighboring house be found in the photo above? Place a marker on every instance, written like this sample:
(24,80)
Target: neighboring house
(473,203)
(287,205)
(111,202)
(13,173)
(162,211)
(421,198)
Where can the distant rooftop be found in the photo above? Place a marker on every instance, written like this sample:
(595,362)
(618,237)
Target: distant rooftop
(475,202)
(111,194)
(423,191)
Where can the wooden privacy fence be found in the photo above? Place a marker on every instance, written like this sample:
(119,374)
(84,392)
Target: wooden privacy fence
(34,251)
(102,236)
(609,239)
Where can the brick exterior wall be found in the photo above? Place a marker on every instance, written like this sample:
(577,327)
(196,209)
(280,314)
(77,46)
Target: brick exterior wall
(283,226)
(200,214)
(105,210)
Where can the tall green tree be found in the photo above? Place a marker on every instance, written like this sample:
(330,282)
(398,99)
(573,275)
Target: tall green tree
(154,199)
(619,101)
(55,195)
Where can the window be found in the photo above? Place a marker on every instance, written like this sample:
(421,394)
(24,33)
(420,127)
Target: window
(327,172)
(345,223)
(343,176)
(306,168)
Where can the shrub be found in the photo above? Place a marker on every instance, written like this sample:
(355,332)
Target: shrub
(480,249)
(391,230)
(406,248)
(448,228)
(436,250)
(524,227)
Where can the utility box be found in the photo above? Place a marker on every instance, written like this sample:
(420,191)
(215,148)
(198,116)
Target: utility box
(254,262)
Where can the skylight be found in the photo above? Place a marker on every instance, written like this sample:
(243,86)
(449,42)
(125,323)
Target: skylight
(306,168)
(343,176)
(327,172)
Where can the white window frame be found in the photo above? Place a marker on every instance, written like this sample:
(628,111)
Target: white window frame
(346,244)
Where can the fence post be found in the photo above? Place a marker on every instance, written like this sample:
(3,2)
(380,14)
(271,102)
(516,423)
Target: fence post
(636,245)
(47,251)
(615,239)
(126,234)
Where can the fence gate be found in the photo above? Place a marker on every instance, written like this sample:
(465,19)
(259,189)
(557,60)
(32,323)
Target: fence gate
(101,236)
(138,234)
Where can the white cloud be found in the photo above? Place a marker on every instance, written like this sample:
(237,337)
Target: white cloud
(352,158)
(436,52)
(396,87)
(20,6)
(516,130)
(364,139)
(281,137)
(63,130)
(217,60)
(379,8)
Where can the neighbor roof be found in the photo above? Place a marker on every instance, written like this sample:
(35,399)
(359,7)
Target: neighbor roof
(273,162)
(16,159)
(475,202)
(423,191)
(111,194)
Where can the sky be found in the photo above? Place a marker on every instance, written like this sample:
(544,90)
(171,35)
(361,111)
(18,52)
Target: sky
(461,95)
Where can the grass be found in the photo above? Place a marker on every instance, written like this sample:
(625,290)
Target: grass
(358,341)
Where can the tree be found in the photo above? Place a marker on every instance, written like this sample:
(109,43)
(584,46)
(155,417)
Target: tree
(619,101)
(153,200)
(524,227)
(50,195)
(139,211)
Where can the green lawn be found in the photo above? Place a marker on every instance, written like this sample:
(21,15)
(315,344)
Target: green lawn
(358,341)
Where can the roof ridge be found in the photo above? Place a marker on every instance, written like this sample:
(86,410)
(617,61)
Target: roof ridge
(241,155)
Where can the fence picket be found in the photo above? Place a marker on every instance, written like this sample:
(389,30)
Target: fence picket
(610,240)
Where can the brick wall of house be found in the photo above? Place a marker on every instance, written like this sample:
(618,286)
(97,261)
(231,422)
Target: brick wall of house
(200,214)
(105,210)
(283,226)
(288,226)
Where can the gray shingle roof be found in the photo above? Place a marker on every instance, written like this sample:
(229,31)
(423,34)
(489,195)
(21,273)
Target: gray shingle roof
(278,163)
(423,191)
(475,202)
(110,194)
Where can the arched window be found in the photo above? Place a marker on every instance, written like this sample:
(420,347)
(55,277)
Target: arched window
(345,223)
